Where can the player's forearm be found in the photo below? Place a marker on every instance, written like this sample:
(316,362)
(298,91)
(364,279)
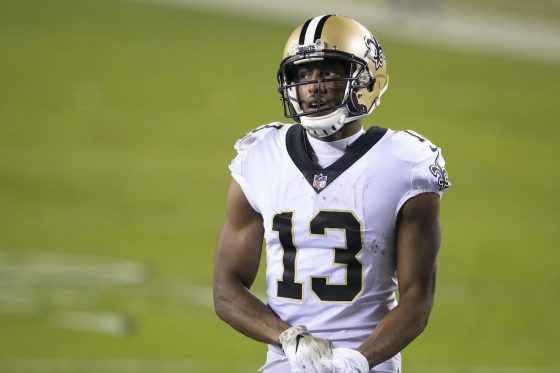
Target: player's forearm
(238,307)
(397,329)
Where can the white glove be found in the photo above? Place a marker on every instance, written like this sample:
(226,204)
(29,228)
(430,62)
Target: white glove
(346,360)
(306,353)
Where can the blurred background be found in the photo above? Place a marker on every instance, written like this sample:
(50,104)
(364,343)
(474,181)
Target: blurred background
(117,124)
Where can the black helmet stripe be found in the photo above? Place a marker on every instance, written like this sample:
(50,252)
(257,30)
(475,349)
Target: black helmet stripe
(303,31)
(312,29)
(319,28)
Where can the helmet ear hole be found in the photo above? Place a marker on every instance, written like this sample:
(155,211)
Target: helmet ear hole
(354,106)
(366,80)
(371,85)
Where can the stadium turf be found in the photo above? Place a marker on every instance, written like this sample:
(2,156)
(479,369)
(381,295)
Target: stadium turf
(117,121)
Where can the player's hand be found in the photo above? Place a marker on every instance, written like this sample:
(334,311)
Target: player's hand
(346,360)
(306,353)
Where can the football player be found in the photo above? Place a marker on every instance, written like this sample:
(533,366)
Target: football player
(348,216)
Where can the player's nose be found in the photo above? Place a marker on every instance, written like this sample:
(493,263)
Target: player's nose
(316,74)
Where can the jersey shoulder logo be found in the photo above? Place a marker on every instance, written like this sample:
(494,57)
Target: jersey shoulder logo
(438,171)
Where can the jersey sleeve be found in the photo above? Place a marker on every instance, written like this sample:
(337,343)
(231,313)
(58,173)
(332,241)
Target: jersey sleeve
(243,166)
(236,167)
(427,173)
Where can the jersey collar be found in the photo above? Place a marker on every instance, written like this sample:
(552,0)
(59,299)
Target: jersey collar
(319,178)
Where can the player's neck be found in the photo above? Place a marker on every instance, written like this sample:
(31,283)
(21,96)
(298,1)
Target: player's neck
(348,130)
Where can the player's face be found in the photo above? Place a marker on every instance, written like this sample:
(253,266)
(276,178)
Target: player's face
(326,93)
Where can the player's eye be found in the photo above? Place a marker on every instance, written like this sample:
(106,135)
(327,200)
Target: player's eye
(304,74)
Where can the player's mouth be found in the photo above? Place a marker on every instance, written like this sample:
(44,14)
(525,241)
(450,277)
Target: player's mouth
(315,105)
(319,108)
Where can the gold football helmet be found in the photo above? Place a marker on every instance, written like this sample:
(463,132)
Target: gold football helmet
(328,38)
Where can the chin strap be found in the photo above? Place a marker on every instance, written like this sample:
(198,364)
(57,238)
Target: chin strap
(326,125)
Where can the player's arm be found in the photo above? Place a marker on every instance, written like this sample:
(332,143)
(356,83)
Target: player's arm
(237,261)
(418,241)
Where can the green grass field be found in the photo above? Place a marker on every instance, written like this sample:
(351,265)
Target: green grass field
(117,123)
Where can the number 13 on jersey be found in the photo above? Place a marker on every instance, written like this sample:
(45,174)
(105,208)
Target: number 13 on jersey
(325,291)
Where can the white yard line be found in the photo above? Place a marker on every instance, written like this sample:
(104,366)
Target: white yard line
(56,268)
(460,30)
(36,280)
(45,284)
(71,290)
(100,322)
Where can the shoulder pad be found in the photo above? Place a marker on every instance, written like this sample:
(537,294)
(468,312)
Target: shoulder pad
(256,135)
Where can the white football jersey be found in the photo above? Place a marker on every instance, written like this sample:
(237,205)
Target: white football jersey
(330,233)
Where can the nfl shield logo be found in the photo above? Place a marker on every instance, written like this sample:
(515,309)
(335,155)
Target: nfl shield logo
(319,181)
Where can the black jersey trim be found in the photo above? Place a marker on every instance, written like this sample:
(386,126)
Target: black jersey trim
(319,178)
